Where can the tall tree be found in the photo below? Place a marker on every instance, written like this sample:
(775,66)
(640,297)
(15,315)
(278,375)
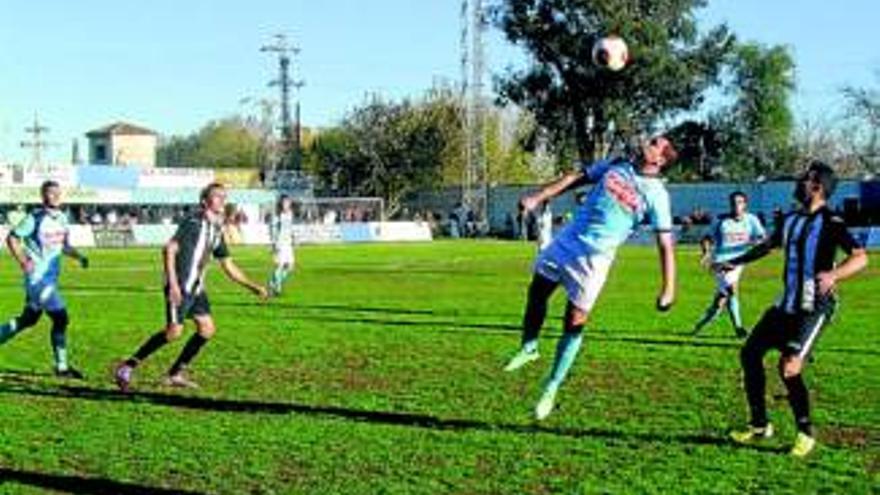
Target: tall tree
(580,104)
(331,157)
(226,143)
(758,126)
(177,151)
(863,107)
(385,149)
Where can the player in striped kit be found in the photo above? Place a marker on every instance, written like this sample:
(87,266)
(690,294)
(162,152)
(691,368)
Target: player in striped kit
(810,237)
(199,237)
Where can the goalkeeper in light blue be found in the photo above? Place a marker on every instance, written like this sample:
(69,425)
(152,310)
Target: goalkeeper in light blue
(281,234)
(626,194)
(37,244)
(731,235)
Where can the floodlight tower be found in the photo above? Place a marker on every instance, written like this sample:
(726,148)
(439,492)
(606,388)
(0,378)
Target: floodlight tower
(290,134)
(474,192)
(37,143)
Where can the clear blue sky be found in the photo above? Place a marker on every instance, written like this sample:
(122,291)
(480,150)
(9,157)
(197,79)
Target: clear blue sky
(174,65)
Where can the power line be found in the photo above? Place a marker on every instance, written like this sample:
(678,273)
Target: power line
(290,133)
(473,68)
(37,143)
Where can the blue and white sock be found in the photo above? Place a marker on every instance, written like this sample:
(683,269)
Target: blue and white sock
(566,351)
(8,330)
(59,349)
(733,309)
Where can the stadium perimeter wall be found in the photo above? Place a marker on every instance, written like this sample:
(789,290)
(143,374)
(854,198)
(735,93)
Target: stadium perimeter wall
(251,234)
(764,198)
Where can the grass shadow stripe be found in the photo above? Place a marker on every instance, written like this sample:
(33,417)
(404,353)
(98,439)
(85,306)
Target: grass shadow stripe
(392,418)
(82,485)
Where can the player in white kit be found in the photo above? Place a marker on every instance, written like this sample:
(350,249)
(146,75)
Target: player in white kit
(281,233)
(545,226)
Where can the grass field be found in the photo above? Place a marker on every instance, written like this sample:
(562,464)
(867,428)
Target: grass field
(379,371)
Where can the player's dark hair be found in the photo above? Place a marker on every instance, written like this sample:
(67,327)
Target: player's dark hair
(207,190)
(823,174)
(280,202)
(45,186)
(736,194)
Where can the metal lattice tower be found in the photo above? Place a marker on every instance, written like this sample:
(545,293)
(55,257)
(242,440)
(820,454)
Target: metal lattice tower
(474,192)
(37,143)
(290,133)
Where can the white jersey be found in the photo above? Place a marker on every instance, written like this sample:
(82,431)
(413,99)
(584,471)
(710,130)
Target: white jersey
(545,228)
(281,230)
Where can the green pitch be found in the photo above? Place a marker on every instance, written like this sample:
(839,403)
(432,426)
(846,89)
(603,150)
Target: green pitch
(379,371)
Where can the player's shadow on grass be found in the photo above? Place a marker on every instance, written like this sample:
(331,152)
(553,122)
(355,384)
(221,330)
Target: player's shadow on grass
(354,314)
(412,420)
(80,484)
(348,308)
(113,289)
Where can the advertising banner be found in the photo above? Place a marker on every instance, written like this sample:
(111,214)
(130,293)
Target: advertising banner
(33,176)
(31,195)
(152,235)
(164,177)
(238,178)
(107,176)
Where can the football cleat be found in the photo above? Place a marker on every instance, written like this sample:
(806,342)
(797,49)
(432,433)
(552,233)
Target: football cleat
(803,445)
(521,359)
(545,404)
(752,434)
(70,373)
(179,380)
(122,375)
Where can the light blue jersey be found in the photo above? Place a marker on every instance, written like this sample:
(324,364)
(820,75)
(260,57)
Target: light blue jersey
(44,235)
(733,237)
(618,203)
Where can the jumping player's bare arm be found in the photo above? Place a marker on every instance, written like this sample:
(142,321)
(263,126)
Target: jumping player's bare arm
(549,191)
(666,250)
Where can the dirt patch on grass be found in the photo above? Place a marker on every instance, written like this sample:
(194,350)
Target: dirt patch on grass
(851,436)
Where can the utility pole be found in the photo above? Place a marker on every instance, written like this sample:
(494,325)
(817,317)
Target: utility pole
(475,181)
(37,143)
(75,157)
(290,134)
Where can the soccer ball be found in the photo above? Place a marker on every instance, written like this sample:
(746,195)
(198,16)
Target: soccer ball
(610,53)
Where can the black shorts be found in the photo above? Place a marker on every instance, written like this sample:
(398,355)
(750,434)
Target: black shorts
(792,334)
(192,305)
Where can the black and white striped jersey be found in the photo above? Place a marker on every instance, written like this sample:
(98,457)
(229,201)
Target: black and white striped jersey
(199,239)
(810,242)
